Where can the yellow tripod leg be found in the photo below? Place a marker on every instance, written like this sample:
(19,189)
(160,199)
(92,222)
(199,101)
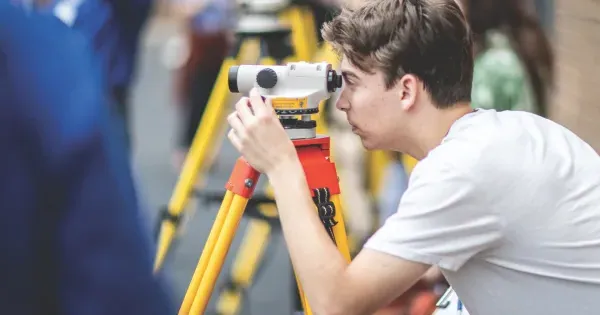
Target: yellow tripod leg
(377,163)
(249,258)
(339,230)
(240,187)
(218,255)
(303,300)
(308,26)
(341,240)
(322,179)
(247,262)
(303,40)
(409,163)
(211,242)
(195,159)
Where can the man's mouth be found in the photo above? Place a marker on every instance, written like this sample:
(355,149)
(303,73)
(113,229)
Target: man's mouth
(354,128)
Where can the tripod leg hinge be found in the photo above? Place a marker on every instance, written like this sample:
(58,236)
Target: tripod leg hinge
(326,210)
(243,179)
(233,286)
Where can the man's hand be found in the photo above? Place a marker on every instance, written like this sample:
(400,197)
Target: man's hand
(259,136)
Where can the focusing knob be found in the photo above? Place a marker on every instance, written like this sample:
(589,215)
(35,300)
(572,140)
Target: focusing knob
(266,78)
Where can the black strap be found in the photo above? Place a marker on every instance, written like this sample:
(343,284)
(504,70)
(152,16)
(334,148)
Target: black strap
(326,210)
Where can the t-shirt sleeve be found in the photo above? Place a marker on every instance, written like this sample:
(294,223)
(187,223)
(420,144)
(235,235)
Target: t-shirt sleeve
(442,219)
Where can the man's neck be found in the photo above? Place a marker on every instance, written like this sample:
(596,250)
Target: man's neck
(429,135)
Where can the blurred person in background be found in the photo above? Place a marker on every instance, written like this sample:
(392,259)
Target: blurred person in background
(71,231)
(113,29)
(208,36)
(514,62)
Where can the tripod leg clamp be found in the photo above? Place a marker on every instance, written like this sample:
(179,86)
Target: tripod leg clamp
(165,215)
(326,210)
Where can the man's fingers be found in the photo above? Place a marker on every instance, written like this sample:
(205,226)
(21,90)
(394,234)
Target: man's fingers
(243,109)
(235,140)
(258,104)
(236,125)
(269,105)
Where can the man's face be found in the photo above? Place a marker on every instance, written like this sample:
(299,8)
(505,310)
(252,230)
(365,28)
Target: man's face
(374,112)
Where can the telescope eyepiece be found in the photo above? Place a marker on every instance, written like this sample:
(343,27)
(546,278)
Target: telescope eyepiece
(334,81)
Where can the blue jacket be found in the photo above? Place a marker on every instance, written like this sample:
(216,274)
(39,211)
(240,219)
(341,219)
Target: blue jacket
(129,17)
(71,233)
(113,28)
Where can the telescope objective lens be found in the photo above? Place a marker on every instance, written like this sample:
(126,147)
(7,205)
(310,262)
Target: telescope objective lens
(232,79)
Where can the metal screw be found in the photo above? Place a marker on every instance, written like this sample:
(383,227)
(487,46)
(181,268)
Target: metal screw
(248,182)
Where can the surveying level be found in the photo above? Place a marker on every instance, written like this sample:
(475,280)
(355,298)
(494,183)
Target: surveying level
(295,89)
(258,22)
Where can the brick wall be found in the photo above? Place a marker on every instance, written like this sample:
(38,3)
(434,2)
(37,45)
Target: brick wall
(577,43)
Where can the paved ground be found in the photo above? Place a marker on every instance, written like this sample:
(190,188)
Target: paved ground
(155,129)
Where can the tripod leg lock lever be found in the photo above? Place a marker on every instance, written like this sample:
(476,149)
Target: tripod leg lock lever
(326,210)
(165,215)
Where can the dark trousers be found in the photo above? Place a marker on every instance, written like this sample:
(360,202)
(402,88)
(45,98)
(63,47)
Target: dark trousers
(121,111)
(197,79)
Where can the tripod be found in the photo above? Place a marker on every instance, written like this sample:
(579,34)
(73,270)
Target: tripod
(322,180)
(314,156)
(250,257)
(272,35)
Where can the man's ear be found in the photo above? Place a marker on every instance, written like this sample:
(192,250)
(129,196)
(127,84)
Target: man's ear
(408,87)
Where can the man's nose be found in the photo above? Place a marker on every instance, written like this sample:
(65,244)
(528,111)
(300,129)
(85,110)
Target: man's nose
(342,104)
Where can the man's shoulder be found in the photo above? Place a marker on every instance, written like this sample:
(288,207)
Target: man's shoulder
(477,142)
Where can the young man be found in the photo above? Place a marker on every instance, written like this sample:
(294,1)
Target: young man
(506,204)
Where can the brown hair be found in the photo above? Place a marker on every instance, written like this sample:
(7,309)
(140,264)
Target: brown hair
(528,39)
(427,38)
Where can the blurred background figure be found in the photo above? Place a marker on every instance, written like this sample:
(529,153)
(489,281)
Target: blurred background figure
(71,231)
(202,45)
(514,63)
(113,29)
(395,183)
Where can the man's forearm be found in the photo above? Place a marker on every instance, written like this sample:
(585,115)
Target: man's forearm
(317,261)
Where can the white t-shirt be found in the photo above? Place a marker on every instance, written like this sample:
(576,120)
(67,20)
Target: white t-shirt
(508,206)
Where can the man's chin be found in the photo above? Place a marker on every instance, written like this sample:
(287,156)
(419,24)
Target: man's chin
(368,143)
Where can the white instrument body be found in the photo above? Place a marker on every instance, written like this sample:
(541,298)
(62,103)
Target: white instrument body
(449,304)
